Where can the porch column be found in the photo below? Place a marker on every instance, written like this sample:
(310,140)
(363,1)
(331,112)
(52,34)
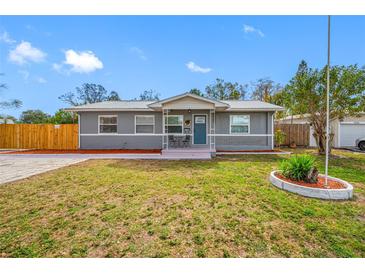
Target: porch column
(165,137)
(163,129)
(212,129)
(272,130)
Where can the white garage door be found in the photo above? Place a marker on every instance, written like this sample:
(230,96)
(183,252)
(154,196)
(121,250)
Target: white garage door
(349,133)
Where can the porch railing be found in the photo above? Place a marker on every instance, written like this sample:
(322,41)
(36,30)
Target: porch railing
(179,140)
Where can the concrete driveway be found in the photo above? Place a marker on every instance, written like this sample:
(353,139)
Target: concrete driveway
(16,168)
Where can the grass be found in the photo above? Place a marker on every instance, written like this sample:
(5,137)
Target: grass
(220,208)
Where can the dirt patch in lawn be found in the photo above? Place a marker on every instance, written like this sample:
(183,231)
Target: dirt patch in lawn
(332,184)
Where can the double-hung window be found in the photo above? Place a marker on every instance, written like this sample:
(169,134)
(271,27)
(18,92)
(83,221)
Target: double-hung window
(174,124)
(239,124)
(144,124)
(108,124)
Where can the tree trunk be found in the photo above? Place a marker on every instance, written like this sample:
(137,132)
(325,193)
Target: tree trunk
(291,125)
(319,128)
(320,141)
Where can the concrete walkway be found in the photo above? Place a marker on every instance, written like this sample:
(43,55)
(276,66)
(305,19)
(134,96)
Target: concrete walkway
(16,168)
(182,156)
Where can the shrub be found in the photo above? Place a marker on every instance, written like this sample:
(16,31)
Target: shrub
(279,137)
(299,167)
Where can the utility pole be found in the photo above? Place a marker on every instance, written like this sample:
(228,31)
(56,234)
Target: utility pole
(328,100)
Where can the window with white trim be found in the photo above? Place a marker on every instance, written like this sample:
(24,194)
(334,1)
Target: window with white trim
(144,124)
(108,124)
(174,123)
(239,124)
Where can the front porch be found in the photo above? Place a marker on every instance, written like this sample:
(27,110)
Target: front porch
(191,122)
(188,130)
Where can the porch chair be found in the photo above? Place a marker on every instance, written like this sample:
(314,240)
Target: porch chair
(186,141)
(172,141)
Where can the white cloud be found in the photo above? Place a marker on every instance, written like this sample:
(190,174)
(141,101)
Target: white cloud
(5,37)
(41,80)
(251,29)
(25,52)
(195,68)
(80,62)
(139,52)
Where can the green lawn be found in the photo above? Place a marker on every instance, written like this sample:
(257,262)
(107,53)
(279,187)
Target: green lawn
(220,208)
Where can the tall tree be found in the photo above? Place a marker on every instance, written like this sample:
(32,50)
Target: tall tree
(63,117)
(15,103)
(88,94)
(307,92)
(113,96)
(222,90)
(264,89)
(196,92)
(34,116)
(149,95)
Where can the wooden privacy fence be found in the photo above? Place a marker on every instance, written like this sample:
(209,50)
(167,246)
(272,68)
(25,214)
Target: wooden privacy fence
(39,136)
(299,133)
(49,136)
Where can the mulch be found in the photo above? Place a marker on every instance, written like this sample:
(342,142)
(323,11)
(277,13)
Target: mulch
(320,184)
(263,150)
(87,151)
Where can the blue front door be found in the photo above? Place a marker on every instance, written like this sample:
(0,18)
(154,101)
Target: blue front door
(200,130)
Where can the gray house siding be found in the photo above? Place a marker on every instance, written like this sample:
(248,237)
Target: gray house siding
(89,121)
(89,125)
(260,123)
(121,142)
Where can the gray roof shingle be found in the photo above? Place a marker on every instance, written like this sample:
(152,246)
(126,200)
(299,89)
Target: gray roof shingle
(114,105)
(143,105)
(251,105)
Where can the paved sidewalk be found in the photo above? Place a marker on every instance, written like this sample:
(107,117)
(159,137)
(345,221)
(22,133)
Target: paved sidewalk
(139,156)
(16,168)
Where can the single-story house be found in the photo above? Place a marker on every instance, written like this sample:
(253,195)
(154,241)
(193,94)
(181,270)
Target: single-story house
(185,121)
(345,131)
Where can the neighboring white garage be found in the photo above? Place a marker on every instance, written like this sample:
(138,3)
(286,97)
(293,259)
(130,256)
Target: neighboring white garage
(345,132)
(349,132)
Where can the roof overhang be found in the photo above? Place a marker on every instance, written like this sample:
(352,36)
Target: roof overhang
(215,104)
(253,109)
(105,109)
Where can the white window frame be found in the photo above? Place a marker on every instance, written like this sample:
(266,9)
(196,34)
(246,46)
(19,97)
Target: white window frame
(99,124)
(167,124)
(145,124)
(248,124)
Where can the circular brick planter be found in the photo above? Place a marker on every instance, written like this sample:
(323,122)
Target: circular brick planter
(327,194)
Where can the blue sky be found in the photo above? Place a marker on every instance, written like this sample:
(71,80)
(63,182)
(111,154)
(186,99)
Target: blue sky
(44,57)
